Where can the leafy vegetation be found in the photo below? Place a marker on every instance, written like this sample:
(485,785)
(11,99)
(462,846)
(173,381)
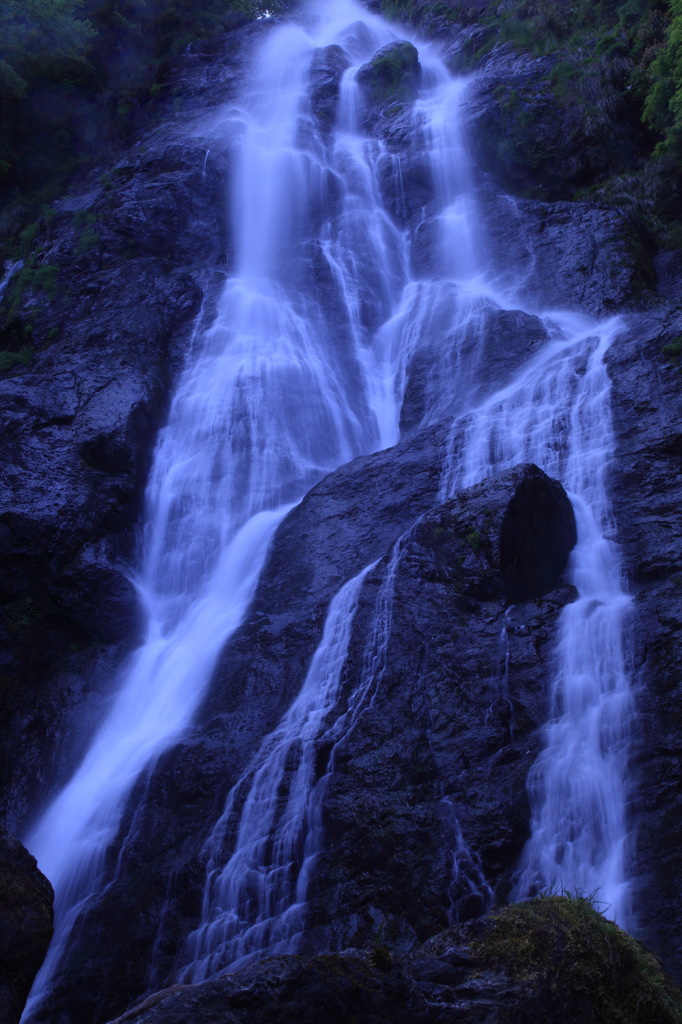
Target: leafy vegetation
(617,62)
(588,968)
(673,351)
(76,73)
(9,359)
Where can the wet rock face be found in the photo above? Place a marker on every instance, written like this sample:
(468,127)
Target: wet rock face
(647,498)
(566,255)
(426,807)
(25,925)
(326,71)
(456,715)
(159,883)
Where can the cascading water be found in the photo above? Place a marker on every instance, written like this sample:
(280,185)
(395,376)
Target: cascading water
(255,900)
(10,270)
(279,391)
(556,413)
(267,406)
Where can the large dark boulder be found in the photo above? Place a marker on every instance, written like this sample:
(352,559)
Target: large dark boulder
(25,925)
(537,535)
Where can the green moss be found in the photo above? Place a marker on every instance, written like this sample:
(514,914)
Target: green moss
(45,279)
(673,351)
(391,75)
(89,239)
(27,238)
(41,279)
(474,541)
(588,969)
(9,359)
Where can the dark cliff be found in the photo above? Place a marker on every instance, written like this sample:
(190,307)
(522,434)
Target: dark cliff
(133,260)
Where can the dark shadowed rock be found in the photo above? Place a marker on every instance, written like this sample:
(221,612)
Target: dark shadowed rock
(25,925)
(133,254)
(537,535)
(538,131)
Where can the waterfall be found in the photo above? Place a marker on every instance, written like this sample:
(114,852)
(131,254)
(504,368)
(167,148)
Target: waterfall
(556,413)
(255,900)
(10,270)
(268,403)
(282,388)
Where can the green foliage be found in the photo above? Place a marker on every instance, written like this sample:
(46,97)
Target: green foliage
(380,955)
(588,968)
(408,11)
(637,42)
(27,238)
(9,359)
(673,351)
(45,280)
(42,279)
(663,103)
(74,73)
(89,239)
(474,541)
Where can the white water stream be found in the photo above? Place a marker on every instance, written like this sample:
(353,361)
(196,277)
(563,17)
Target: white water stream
(279,392)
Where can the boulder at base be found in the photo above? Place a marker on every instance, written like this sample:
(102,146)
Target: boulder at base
(25,925)
(548,961)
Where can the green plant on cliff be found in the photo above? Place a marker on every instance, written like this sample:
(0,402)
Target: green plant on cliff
(663,104)
(586,967)
(75,73)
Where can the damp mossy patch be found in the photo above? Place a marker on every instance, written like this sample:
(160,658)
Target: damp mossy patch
(587,968)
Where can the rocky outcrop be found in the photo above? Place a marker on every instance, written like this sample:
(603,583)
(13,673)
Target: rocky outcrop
(544,962)
(546,126)
(25,925)
(577,256)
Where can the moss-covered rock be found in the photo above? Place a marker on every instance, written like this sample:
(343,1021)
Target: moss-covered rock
(577,965)
(393,74)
